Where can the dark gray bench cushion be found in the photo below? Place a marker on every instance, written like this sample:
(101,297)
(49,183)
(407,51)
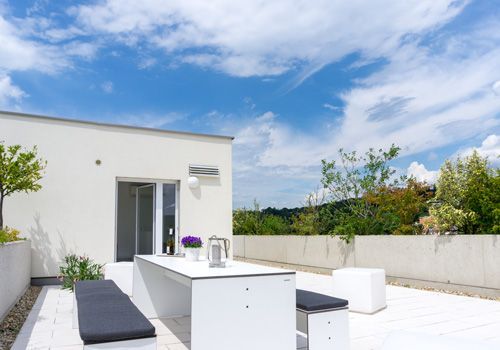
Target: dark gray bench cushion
(93,288)
(309,301)
(106,314)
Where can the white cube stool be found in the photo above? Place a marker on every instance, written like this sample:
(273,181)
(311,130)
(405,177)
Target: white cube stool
(363,288)
(121,273)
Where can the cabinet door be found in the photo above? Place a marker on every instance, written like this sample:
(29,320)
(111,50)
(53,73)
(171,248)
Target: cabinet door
(243,313)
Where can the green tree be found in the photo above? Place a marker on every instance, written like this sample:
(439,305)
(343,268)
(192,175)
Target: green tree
(274,225)
(255,222)
(350,180)
(309,220)
(467,196)
(247,221)
(402,204)
(20,171)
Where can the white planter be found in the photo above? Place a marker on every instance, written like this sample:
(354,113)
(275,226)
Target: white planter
(15,273)
(192,254)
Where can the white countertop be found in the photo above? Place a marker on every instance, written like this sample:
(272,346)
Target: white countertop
(200,269)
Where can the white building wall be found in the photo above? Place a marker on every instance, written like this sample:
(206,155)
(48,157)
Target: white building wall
(75,210)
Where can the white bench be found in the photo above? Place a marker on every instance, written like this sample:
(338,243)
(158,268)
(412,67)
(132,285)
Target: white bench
(364,288)
(107,318)
(121,273)
(324,319)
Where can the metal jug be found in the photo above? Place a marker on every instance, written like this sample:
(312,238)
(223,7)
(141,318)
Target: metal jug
(215,247)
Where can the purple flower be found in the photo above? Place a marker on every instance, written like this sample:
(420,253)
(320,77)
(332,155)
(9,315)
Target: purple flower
(191,242)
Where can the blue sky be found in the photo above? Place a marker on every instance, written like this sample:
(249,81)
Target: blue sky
(292,80)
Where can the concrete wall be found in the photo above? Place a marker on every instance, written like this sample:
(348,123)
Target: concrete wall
(462,262)
(76,209)
(15,273)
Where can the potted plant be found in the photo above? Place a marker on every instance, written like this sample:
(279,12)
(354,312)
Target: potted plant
(192,246)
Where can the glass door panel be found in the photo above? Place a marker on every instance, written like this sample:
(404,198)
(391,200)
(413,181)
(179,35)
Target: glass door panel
(145,214)
(169,218)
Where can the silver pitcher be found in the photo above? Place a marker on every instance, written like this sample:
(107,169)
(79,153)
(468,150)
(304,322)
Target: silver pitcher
(215,247)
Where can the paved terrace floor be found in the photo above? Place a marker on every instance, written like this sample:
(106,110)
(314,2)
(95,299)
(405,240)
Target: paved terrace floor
(49,323)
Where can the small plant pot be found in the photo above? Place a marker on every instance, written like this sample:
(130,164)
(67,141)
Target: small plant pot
(192,254)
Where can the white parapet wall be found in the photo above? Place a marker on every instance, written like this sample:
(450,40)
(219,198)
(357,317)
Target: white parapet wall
(15,273)
(468,263)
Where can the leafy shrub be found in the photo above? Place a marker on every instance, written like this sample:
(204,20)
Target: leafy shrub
(9,235)
(78,268)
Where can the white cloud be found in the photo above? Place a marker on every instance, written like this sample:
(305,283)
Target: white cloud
(257,38)
(32,44)
(422,99)
(84,50)
(9,92)
(19,53)
(490,148)
(420,173)
(146,62)
(496,87)
(331,107)
(107,87)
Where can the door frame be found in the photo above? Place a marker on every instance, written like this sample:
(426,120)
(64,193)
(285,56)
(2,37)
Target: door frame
(158,222)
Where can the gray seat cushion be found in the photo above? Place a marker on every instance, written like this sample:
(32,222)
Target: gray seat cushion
(93,288)
(106,314)
(310,301)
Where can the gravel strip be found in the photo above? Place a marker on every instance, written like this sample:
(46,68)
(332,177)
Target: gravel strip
(12,323)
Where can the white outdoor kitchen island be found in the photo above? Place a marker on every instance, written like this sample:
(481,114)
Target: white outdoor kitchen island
(242,306)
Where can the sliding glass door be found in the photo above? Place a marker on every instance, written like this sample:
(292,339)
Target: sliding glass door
(146,218)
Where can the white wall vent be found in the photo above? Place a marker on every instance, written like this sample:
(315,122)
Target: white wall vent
(203,170)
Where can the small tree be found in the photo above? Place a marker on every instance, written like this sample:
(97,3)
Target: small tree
(308,221)
(350,181)
(20,171)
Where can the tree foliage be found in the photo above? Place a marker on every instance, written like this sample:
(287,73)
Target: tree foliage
(467,196)
(20,171)
(354,181)
(309,220)
(255,222)
(361,195)
(403,205)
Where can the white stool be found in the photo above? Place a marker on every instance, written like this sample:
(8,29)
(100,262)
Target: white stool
(324,319)
(121,273)
(363,288)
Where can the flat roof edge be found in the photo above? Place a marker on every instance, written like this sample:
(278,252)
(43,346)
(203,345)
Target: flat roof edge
(111,125)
